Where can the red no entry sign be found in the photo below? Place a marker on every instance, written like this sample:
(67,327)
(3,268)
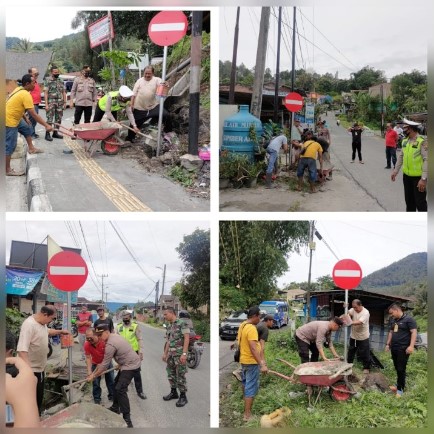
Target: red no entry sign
(293,102)
(167,28)
(347,274)
(67,271)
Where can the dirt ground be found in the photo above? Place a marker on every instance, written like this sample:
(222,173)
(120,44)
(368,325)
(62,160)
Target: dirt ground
(339,194)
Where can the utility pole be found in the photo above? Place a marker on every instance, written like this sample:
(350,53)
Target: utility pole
(276,88)
(112,67)
(258,83)
(164,279)
(312,248)
(294,22)
(102,286)
(234,60)
(157,290)
(196,52)
(382,110)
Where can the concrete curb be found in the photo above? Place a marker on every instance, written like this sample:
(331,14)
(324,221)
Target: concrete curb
(37,198)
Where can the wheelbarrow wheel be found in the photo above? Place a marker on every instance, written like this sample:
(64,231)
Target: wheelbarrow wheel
(341,391)
(110,146)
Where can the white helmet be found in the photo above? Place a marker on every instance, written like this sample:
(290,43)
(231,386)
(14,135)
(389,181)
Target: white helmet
(408,122)
(125,92)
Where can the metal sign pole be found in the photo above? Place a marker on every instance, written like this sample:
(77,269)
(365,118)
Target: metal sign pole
(160,115)
(346,328)
(68,327)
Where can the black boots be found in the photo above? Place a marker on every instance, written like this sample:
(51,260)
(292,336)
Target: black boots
(127,420)
(48,137)
(141,395)
(114,409)
(56,135)
(172,395)
(182,400)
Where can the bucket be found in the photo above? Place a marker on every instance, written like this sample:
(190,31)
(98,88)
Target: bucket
(162,91)
(66,341)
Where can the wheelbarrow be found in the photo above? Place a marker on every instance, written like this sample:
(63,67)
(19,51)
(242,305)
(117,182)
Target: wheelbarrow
(92,133)
(318,376)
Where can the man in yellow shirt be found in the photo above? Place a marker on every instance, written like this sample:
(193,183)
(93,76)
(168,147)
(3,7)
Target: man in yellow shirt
(17,104)
(308,156)
(250,358)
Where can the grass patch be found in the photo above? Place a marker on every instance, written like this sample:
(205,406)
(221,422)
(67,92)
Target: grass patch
(182,176)
(370,410)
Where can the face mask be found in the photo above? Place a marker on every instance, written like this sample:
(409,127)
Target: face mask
(126,321)
(407,132)
(86,74)
(56,75)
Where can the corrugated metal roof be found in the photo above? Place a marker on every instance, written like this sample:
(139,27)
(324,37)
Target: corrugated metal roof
(17,64)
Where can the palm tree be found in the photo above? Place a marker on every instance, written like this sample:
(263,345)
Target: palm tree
(23,46)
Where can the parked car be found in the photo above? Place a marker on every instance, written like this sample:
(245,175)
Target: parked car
(230,325)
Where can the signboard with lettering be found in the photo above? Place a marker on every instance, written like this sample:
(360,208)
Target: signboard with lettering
(21,282)
(309,114)
(100,31)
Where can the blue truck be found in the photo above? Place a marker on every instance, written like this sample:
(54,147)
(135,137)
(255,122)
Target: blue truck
(279,310)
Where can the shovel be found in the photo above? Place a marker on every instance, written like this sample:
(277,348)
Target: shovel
(66,388)
(132,129)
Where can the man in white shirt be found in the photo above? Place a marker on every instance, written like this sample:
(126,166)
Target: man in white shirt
(145,103)
(359,338)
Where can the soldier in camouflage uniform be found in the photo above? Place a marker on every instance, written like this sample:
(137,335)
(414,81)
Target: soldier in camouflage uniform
(175,355)
(55,101)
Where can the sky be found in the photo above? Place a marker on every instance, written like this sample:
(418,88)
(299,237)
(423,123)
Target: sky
(372,244)
(346,38)
(29,25)
(153,244)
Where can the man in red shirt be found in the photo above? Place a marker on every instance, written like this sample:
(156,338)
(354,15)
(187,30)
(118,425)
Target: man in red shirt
(94,348)
(36,96)
(391,141)
(84,321)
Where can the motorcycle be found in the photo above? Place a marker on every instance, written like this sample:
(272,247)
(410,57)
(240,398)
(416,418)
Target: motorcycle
(195,350)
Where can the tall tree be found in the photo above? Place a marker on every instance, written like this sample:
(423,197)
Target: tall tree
(195,254)
(252,255)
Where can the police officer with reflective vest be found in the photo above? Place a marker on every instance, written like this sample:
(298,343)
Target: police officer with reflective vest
(112,102)
(130,331)
(414,162)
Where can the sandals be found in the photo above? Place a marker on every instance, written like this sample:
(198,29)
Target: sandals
(36,151)
(12,172)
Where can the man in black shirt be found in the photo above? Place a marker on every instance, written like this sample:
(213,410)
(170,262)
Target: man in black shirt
(356,131)
(400,341)
(102,319)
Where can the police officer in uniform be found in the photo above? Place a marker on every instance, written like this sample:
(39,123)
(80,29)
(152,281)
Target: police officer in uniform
(116,347)
(175,355)
(130,331)
(112,102)
(414,162)
(55,101)
(84,92)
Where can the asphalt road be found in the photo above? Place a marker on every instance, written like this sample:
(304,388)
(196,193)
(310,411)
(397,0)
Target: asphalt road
(371,177)
(71,182)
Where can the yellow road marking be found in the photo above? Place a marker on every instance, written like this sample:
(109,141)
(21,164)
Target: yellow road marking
(118,195)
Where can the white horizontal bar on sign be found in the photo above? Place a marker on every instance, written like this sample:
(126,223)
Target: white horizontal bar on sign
(348,273)
(68,271)
(293,101)
(167,27)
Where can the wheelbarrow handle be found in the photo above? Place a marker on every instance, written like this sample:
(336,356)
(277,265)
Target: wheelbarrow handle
(278,374)
(286,363)
(64,130)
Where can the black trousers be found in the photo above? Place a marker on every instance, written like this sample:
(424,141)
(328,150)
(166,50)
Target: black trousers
(303,351)
(390,156)
(40,389)
(138,379)
(79,110)
(99,114)
(357,146)
(400,359)
(414,199)
(120,395)
(140,116)
(363,351)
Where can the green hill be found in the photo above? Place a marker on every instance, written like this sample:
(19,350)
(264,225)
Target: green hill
(400,278)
